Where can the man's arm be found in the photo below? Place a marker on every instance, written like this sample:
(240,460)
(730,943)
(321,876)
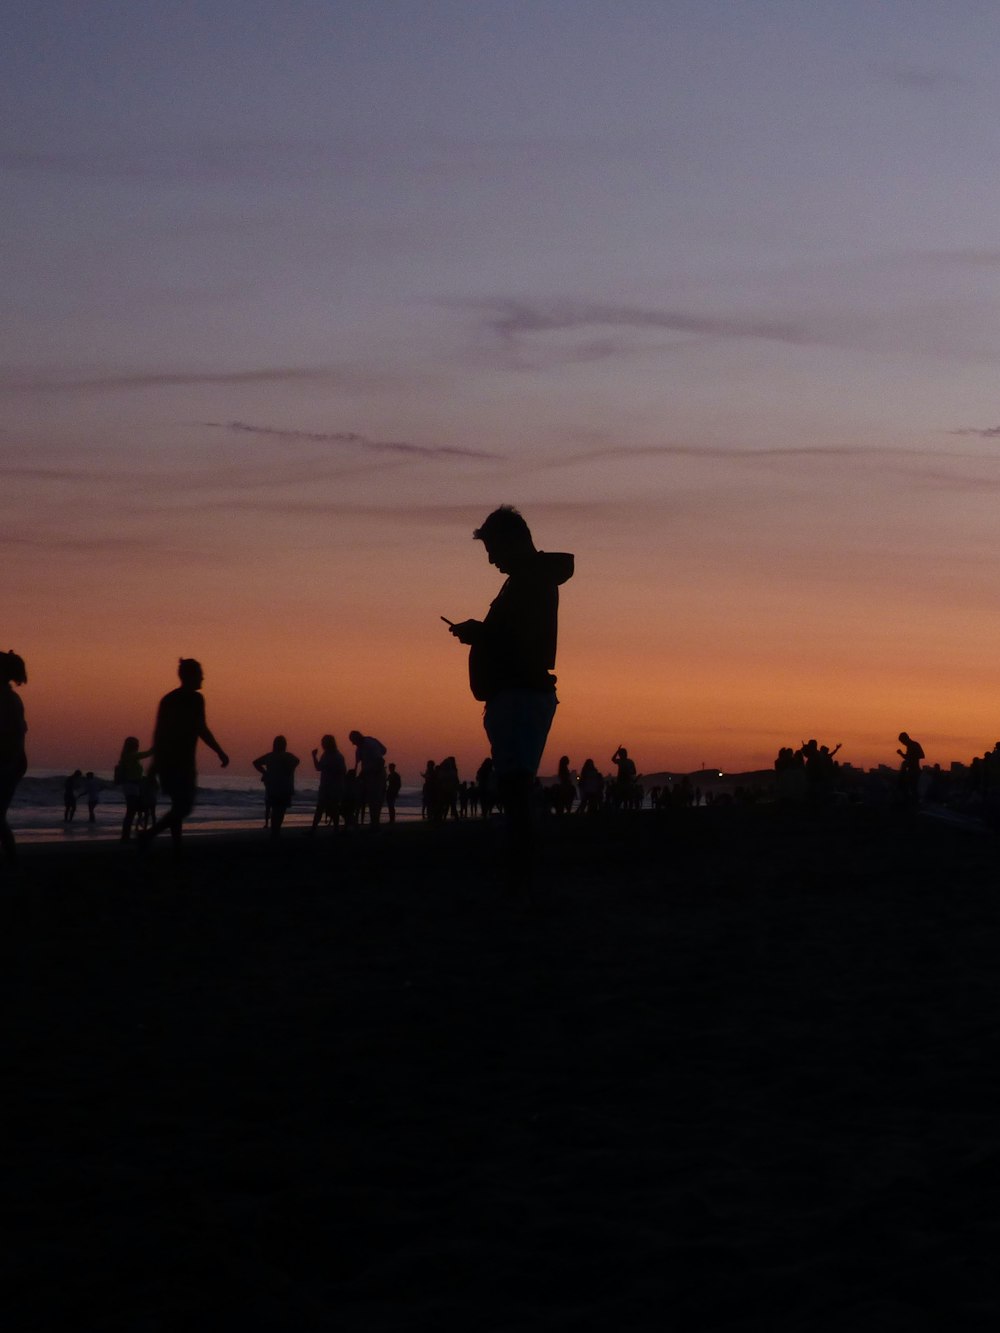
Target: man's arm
(213,744)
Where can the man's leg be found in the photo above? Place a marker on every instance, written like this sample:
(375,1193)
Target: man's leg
(517,723)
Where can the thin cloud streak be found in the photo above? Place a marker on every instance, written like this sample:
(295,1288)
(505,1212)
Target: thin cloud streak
(978,432)
(970,258)
(89,546)
(736,453)
(916,78)
(513,321)
(537,336)
(177,379)
(215,161)
(353,440)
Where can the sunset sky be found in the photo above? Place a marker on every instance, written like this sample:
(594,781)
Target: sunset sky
(295,293)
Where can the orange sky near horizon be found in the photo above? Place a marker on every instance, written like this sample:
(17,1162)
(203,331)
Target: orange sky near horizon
(714,652)
(713,298)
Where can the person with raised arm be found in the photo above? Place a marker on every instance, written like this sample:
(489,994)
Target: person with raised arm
(128,773)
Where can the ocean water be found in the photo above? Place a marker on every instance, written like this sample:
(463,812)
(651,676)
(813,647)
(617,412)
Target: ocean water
(225,804)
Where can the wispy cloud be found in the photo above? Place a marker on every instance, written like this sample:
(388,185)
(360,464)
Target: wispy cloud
(514,324)
(978,432)
(739,453)
(97,544)
(63,475)
(205,162)
(969,257)
(211,161)
(174,379)
(915,78)
(352,439)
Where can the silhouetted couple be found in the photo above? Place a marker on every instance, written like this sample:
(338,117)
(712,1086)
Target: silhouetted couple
(511,656)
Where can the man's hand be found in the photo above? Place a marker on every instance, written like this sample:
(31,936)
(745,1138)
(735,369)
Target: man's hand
(468,631)
(223,759)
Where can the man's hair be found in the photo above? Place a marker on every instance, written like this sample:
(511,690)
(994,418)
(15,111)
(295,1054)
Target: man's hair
(12,668)
(503,522)
(188,667)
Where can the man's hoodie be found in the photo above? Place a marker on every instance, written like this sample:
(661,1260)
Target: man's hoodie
(516,648)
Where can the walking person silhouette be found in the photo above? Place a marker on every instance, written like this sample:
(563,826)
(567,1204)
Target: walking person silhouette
(511,656)
(180,725)
(13,756)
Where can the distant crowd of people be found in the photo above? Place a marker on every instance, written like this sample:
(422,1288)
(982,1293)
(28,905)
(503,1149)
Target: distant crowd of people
(346,795)
(811,772)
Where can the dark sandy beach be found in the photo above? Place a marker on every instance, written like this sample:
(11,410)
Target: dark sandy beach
(728,1069)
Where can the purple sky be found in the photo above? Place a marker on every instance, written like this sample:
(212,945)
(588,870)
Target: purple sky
(710,290)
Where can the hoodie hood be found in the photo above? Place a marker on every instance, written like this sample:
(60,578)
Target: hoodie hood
(553,566)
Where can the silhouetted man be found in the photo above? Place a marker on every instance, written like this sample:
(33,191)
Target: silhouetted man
(909,769)
(369,763)
(393,783)
(180,725)
(511,656)
(627,777)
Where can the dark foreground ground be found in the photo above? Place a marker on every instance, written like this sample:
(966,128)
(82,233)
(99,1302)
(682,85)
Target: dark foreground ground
(736,1071)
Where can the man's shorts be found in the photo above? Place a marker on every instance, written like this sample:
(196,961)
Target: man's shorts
(517,723)
(181,786)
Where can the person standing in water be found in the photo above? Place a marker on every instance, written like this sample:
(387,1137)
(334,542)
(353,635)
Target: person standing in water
(511,656)
(70,795)
(180,725)
(13,756)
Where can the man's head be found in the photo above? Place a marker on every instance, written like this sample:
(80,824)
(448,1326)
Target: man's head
(12,668)
(506,536)
(190,673)
(355,737)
